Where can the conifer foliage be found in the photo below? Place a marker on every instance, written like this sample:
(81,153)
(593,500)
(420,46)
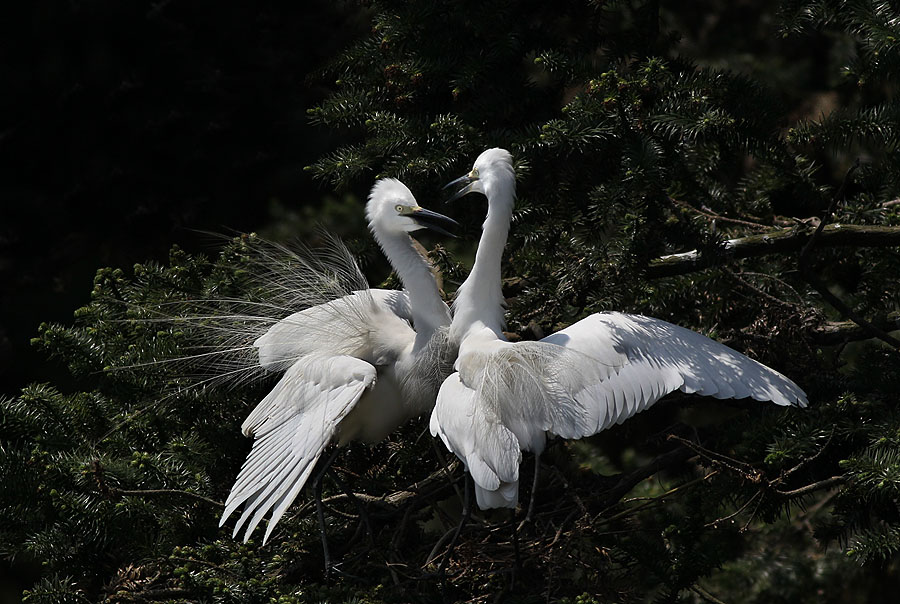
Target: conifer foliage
(637,135)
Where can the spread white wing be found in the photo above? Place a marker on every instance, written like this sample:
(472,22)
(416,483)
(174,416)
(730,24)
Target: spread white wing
(656,358)
(577,382)
(292,426)
(330,352)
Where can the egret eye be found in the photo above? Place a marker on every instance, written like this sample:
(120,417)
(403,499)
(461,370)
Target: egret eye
(399,209)
(473,173)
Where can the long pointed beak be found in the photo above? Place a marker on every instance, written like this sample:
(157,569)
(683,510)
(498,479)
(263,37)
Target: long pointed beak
(468,181)
(434,221)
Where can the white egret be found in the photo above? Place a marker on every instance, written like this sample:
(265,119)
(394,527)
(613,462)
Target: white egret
(355,367)
(505,398)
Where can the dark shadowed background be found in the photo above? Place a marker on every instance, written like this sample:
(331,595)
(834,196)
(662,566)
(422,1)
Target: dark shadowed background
(126,127)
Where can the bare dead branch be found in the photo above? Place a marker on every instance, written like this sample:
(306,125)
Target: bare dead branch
(738,278)
(816,486)
(748,471)
(712,216)
(776,242)
(717,521)
(705,594)
(838,332)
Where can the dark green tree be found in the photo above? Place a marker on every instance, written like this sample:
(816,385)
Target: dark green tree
(733,169)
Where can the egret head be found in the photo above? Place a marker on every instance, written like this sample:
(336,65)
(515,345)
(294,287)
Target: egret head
(392,209)
(492,170)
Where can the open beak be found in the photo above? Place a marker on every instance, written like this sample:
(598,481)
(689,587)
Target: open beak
(468,181)
(434,221)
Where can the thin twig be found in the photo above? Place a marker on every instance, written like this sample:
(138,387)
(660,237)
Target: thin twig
(804,253)
(739,510)
(759,292)
(658,498)
(732,464)
(776,280)
(446,468)
(806,461)
(714,216)
(630,480)
(205,563)
(805,515)
(752,514)
(816,486)
(168,593)
(141,493)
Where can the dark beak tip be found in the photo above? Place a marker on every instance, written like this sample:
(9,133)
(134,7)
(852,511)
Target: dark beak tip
(455,181)
(466,181)
(436,222)
(461,193)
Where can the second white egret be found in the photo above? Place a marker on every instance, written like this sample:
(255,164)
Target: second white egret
(356,369)
(505,398)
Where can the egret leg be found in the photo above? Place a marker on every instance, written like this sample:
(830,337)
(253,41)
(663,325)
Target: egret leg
(515,541)
(467,511)
(320,509)
(320,512)
(534,484)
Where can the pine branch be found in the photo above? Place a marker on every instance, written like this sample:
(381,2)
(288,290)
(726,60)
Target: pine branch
(776,242)
(813,279)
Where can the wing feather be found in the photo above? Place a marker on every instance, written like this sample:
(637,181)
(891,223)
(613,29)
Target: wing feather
(293,425)
(655,358)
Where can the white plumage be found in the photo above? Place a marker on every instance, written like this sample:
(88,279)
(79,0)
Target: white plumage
(292,426)
(506,398)
(355,367)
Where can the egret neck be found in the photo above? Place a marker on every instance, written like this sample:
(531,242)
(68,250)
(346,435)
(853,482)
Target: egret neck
(428,310)
(479,301)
